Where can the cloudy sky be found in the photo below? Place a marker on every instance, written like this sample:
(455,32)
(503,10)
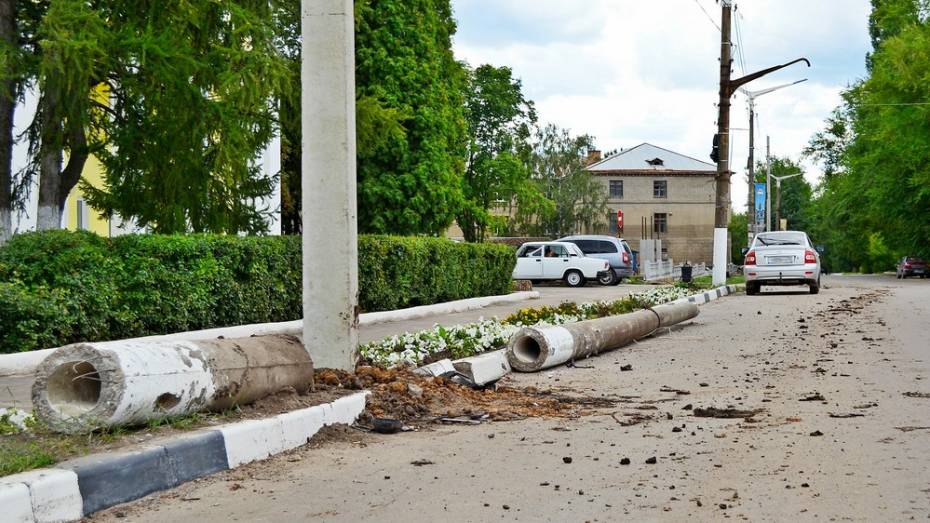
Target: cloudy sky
(630,71)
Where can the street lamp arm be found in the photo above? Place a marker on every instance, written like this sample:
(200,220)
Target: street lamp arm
(755,94)
(785,177)
(739,82)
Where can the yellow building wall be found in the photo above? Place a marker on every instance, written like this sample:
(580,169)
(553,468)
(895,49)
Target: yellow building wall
(92,174)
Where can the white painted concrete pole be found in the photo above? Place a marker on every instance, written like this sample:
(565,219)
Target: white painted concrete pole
(330,229)
(720,257)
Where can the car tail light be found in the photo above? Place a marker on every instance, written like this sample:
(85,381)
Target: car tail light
(810,257)
(907,265)
(626,258)
(750,258)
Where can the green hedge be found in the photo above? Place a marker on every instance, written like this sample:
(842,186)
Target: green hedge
(62,287)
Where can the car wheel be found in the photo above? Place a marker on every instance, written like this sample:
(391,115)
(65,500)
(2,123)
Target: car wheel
(752,289)
(815,287)
(609,279)
(574,279)
(898,275)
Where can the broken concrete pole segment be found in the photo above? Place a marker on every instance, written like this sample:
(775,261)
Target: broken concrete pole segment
(485,368)
(86,386)
(536,348)
(438,368)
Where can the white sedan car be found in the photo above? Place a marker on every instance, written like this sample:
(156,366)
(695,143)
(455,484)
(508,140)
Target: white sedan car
(557,261)
(782,258)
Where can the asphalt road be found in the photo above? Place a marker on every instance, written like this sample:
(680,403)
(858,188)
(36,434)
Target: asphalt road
(862,453)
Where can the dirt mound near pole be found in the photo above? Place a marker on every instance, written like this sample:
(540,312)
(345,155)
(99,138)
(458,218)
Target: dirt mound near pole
(419,400)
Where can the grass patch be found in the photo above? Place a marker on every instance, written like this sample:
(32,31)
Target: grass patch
(39,447)
(703,283)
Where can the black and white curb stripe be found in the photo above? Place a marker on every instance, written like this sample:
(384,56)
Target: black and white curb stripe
(710,295)
(86,485)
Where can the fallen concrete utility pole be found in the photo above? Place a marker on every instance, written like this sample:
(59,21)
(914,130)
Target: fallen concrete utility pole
(536,348)
(86,386)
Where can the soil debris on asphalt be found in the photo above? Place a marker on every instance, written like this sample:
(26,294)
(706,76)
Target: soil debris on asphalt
(416,400)
(917,394)
(728,413)
(814,397)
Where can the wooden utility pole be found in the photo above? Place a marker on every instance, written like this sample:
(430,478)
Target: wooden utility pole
(723,120)
(728,87)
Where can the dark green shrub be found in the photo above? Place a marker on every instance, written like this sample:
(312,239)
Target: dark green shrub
(62,287)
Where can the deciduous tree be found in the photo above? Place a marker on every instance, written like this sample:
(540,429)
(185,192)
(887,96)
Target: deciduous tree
(500,122)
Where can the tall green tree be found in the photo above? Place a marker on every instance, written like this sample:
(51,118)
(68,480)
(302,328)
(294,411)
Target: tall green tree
(411,184)
(190,108)
(9,65)
(558,165)
(73,56)
(877,151)
(739,234)
(796,194)
(376,123)
(500,123)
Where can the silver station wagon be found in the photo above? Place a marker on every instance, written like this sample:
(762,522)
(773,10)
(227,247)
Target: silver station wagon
(782,258)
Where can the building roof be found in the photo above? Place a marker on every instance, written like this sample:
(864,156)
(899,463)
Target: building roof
(648,157)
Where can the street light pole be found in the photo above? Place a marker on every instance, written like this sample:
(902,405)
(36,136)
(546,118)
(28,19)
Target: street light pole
(768,183)
(751,206)
(721,153)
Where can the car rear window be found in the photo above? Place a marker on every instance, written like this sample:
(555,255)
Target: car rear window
(781,239)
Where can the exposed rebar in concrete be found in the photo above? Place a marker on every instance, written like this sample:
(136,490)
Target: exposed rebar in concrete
(91,385)
(536,348)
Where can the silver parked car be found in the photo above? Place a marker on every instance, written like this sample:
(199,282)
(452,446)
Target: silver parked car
(616,251)
(782,258)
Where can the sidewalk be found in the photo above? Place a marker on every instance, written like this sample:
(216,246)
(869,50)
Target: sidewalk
(16,392)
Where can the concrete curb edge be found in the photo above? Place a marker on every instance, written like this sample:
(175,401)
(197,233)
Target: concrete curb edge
(711,295)
(82,486)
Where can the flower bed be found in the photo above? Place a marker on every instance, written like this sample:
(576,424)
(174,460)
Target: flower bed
(462,341)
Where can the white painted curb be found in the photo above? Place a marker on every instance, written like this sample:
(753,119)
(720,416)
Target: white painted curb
(51,495)
(25,363)
(253,440)
(710,295)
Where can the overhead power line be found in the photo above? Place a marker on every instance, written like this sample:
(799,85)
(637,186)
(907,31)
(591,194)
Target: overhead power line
(698,2)
(891,104)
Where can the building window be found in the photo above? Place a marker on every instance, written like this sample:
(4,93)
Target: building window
(660,189)
(660,222)
(616,189)
(83,221)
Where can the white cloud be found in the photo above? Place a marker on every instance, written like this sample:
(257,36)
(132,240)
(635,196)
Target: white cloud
(629,71)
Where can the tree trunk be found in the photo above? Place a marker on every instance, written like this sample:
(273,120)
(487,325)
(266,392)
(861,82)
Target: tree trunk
(7,107)
(56,183)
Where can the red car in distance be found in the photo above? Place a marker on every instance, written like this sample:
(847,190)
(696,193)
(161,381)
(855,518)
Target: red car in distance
(910,266)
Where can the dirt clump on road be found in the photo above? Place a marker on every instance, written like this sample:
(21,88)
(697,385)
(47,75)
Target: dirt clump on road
(415,399)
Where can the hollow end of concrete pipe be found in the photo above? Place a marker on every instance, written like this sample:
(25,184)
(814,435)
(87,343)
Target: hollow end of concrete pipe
(535,348)
(673,314)
(76,389)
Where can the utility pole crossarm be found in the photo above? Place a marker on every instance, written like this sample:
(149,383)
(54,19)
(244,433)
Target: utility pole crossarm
(739,82)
